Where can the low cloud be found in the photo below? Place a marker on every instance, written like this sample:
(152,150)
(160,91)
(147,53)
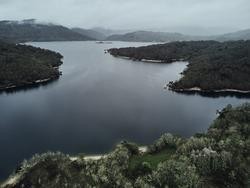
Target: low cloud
(214,15)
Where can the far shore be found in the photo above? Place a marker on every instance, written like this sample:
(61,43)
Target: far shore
(142,60)
(197,89)
(193,89)
(147,60)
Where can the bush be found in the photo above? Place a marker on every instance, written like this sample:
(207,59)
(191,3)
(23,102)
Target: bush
(172,174)
(165,141)
(195,144)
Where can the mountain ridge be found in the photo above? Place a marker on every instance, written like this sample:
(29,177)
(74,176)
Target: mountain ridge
(90,33)
(30,30)
(150,36)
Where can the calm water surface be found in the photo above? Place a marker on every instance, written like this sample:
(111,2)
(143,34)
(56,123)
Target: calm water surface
(98,101)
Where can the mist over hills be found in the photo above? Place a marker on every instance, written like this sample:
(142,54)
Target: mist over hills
(149,36)
(90,33)
(239,35)
(152,36)
(109,32)
(31,30)
(99,33)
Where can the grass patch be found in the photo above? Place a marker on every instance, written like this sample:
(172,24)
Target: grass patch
(152,159)
(142,164)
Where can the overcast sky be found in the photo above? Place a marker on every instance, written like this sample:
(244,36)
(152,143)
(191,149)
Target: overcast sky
(187,16)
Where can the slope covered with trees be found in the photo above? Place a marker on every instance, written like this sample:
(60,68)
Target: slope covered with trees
(148,36)
(90,33)
(212,65)
(239,35)
(218,158)
(22,65)
(30,30)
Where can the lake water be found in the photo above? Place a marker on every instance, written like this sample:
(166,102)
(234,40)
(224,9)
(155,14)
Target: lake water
(98,101)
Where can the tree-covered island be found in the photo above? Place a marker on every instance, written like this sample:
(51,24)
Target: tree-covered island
(213,66)
(22,65)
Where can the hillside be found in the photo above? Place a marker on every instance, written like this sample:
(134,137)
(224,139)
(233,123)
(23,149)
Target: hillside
(30,30)
(109,32)
(213,66)
(90,33)
(22,65)
(218,158)
(239,35)
(148,36)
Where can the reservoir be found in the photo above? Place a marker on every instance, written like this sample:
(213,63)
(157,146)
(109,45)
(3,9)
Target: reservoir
(98,101)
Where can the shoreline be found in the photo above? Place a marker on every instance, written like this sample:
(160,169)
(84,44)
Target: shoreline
(142,149)
(13,179)
(32,83)
(146,60)
(193,89)
(197,89)
(142,60)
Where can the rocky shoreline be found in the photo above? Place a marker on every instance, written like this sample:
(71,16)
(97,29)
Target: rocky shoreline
(216,67)
(199,90)
(188,90)
(32,83)
(142,60)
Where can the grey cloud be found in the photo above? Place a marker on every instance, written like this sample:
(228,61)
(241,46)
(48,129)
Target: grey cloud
(216,15)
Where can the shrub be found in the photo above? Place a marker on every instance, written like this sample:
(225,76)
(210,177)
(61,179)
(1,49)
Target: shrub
(165,141)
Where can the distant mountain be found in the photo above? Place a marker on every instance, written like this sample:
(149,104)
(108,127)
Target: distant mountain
(149,36)
(239,35)
(90,33)
(109,32)
(30,30)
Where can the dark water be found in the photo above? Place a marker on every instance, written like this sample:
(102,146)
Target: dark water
(99,101)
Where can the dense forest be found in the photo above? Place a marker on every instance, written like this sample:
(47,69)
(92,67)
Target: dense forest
(218,158)
(22,65)
(30,30)
(212,65)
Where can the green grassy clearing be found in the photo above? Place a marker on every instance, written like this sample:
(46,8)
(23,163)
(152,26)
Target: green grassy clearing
(152,159)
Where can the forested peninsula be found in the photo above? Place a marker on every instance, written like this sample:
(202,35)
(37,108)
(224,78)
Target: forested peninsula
(217,158)
(213,66)
(22,65)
